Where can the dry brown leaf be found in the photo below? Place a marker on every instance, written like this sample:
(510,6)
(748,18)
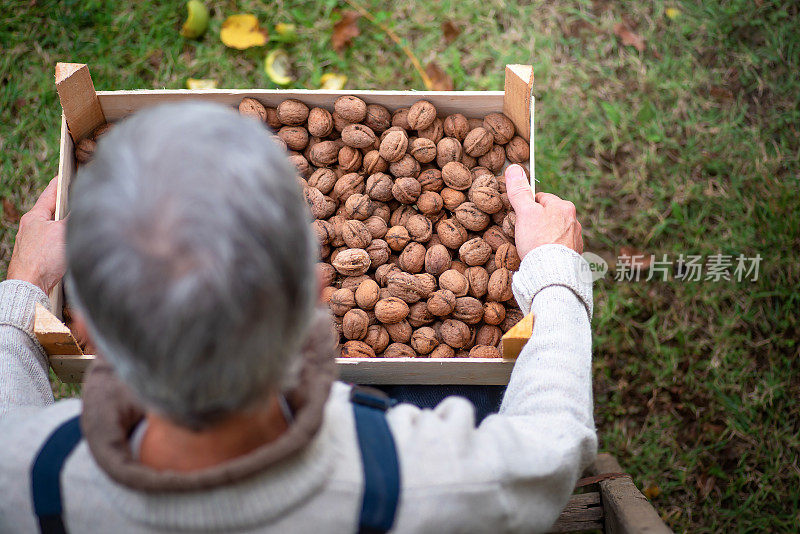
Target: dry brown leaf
(652,491)
(440,80)
(628,37)
(450,31)
(345,30)
(10,212)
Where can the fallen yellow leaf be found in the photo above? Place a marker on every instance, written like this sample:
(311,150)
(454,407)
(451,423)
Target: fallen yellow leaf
(332,81)
(278,67)
(242,31)
(673,13)
(195,83)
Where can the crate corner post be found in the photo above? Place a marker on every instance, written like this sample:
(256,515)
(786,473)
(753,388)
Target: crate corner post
(519,105)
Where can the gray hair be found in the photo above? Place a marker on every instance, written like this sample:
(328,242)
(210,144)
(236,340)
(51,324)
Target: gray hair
(192,259)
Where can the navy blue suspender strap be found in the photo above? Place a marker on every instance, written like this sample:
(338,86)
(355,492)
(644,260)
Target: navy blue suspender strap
(46,479)
(379,460)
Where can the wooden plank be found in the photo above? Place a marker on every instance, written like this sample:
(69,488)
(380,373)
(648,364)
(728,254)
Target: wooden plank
(517,336)
(79,101)
(66,169)
(626,509)
(477,371)
(582,512)
(70,368)
(52,334)
(519,105)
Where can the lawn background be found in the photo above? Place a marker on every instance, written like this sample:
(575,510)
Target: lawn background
(690,146)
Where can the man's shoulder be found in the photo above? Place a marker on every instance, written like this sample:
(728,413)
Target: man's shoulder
(24,430)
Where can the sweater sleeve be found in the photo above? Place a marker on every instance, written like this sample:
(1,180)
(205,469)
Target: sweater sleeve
(24,379)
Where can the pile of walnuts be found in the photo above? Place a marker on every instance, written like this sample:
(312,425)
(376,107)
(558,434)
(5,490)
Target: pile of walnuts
(415,228)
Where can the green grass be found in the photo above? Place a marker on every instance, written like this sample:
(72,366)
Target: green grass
(688,147)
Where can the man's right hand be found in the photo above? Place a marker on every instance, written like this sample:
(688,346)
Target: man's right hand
(541,220)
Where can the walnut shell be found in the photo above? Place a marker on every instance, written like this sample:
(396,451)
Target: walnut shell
(378,118)
(495,237)
(403,286)
(468,310)
(405,166)
(400,119)
(406,190)
(323,179)
(518,150)
(443,351)
(434,132)
(412,258)
(454,281)
(500,286)
(419,227)
(352,282)
(447,150)
(324,153)
(377,227)
(250,107)
(509,222)
(418,315)
(437,260)
(342,301)
(399,332)
(322,206)
(355,323)
(352,262)
(399,350)
(430,203)
(478,142)
(358,136)
(391,310)
(475,251)
(377,337)
(513,316)
(350,108)
(357,349)
(323,230)
(295,137)
(379,252)
(379,187)
(456,176)
(424,340)
(455,333)
(484,351)
(359,206)
(356,234)
(441,302)
(349,159)
(301,164)
(85,150)
(326,274)
(393,146)
(292,112)
(425,284)
(452,198)
(320,122)
(456,125)
(478,280)
(383,273)
(423,150)
(493,314)
(500,126)
(398,237)
(373,163)
(471,217)
(486,199)
(421,115)
(431,180)
(272,119)
(367,294)
(325,295)
(507,257)
(339,122)
(349,184)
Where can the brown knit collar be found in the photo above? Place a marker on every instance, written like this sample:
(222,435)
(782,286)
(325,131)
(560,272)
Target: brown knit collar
(111,413)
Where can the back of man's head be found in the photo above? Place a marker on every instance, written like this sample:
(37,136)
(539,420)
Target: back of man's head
(191,257)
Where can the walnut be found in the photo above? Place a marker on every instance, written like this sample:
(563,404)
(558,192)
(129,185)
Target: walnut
(425,284)
(357,349)
(418,315)
(468,310)
(495,237)
(295,137)
(379,252)
(352,262)
(400,119)
(383,272)
(321,205)
(454,281)
(391,310)
(455,333)
(398,237)
(401,214)
(451,233)
(423,150)
(421,115)
(292,112)
(393,146)
(431,180)
(518,150)
(493,314)
(399,332)
(456,125)
(399,350)
(342,301)
(320,122)
(484,351)
(507,257)
(323,179)
(474,123)
(452,198)
(430,202)
(366,294)
(406,190)
(403,286)
(487,199)
(373,163)
(85,150)
(378,118)
(509,222)
(494,159)
(355,323)
(250,107)
(500,286)
(359,206)
(272,119)
(468,161)
(325,295)
(339,122)
(356,234)
(379,187)
(443,351)
(377,337)
(475,251)
(348,184)
(447,150)
(459,266)
(405,166)
(437,260)
(383,211)
(301,164)
(377,227)
(478,280)
(478,142)
(326,274)
(358,136)
(324,153)
(323,230)
(471,217)
(500,126)
(424,340)
(456,176)
(419,227)
(280,142)
(483,177)
(441,302)
(434,132)
(352,282)
(349,159)
(350,108)
(513,316)
(412,258)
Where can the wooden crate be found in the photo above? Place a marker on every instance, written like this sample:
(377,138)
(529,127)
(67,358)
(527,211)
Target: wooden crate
(85,109)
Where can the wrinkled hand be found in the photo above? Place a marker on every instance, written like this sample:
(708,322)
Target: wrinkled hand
(541,220)
(39,255)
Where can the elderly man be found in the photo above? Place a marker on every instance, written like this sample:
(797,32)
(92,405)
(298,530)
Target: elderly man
(214,407)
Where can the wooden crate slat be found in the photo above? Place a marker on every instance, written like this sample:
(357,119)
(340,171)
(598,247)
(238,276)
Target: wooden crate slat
(582,512)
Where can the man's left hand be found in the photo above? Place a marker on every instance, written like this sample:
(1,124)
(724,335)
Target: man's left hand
(39,255)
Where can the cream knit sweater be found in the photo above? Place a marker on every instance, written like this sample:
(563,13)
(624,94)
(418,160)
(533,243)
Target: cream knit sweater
(513,473)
